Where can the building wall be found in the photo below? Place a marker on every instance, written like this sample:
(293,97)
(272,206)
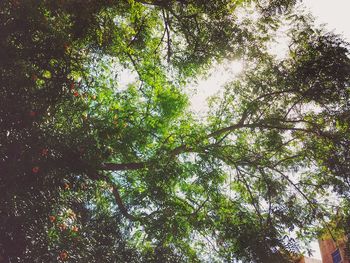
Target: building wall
(328,246)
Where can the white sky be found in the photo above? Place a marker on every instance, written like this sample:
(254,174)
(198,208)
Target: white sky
(333,13)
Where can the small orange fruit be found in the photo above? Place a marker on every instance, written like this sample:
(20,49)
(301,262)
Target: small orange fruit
(63,255)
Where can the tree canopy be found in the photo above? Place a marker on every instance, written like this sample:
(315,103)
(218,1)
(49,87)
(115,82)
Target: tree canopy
(102,160)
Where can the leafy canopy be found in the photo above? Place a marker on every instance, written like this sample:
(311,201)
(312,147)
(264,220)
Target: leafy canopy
(102,161)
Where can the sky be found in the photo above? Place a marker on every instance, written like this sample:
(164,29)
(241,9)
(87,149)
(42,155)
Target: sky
(334,14)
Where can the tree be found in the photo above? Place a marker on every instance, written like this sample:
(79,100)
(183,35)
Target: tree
(94,170)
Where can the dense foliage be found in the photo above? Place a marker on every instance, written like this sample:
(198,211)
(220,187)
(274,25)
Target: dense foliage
(101,159)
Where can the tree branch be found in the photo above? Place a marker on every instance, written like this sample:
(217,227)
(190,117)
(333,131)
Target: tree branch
(264,124)
(117,197)
(121,205)
(233,127)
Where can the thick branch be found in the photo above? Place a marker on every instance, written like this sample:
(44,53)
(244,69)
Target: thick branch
(116,195)
(121,205)
(233,127)
(227,129)
(266,124)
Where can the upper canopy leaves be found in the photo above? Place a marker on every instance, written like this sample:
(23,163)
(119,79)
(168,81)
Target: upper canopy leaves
(102,162)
